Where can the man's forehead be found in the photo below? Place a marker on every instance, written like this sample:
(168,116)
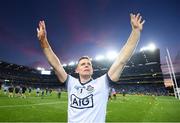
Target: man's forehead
(84,61)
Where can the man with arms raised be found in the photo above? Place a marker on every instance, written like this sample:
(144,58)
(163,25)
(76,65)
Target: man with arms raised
(87,97)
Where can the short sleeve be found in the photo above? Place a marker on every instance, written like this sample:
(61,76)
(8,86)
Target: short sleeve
(70,81)
(109,79)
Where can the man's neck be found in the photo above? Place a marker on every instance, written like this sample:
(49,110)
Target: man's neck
(84,79)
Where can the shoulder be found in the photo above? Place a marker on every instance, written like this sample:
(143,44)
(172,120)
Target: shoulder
(70,81)
(70,78)
(105,78)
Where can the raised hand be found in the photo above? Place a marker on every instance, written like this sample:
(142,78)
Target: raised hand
(136,21)
(41,31)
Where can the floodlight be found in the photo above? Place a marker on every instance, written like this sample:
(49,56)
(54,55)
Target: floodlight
(76,62)
(142,49)
(111,55)
(150,47)
(99,57)
(45,72)
(71,63)
(40,68)
(64,65)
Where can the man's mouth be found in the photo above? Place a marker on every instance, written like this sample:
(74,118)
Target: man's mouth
(86,70)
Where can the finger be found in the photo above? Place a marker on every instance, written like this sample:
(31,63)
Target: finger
(137,16)
(143,22)
(132,16)
(40,25)
(37,30)
(43,22)
(40,22)
(44,25)
(139,20)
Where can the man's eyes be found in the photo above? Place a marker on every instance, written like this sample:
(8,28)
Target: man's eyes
(84,64)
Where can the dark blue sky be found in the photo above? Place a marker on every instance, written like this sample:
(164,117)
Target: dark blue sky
(83,27)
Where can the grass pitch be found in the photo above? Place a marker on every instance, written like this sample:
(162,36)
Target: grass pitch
(131,108)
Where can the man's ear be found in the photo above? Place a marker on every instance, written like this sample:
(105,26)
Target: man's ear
(76,71)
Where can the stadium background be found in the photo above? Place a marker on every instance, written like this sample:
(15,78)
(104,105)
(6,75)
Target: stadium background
(142,80)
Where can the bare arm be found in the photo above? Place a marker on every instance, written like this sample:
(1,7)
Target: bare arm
(50,55)
(128,49)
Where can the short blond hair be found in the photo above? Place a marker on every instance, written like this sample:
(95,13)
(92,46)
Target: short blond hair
(84,57)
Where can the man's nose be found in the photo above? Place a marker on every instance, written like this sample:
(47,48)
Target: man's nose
(86,65)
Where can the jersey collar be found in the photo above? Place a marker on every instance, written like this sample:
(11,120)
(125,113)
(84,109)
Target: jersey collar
(85,82)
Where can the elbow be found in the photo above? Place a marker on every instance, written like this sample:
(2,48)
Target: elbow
(113,77)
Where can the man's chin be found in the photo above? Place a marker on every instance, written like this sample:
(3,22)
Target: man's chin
(87,74)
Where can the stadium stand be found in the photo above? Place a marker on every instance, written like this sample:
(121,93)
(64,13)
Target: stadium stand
(141,75)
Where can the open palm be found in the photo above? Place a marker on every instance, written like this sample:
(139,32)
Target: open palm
(41,31)
(136,21)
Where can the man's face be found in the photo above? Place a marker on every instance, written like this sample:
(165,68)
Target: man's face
(84,68)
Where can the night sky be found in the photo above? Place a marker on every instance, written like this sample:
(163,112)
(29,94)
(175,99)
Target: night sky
(84,27)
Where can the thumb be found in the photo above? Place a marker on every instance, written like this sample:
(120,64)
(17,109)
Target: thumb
(37,30)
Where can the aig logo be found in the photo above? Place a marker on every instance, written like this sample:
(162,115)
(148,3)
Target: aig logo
(81,103)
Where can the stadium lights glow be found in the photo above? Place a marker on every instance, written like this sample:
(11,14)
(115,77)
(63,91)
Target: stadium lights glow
(99,57)
(111,55)
(45,72)
(71,63)
(150,47)
(64,65)
(40,68)
(91,59)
